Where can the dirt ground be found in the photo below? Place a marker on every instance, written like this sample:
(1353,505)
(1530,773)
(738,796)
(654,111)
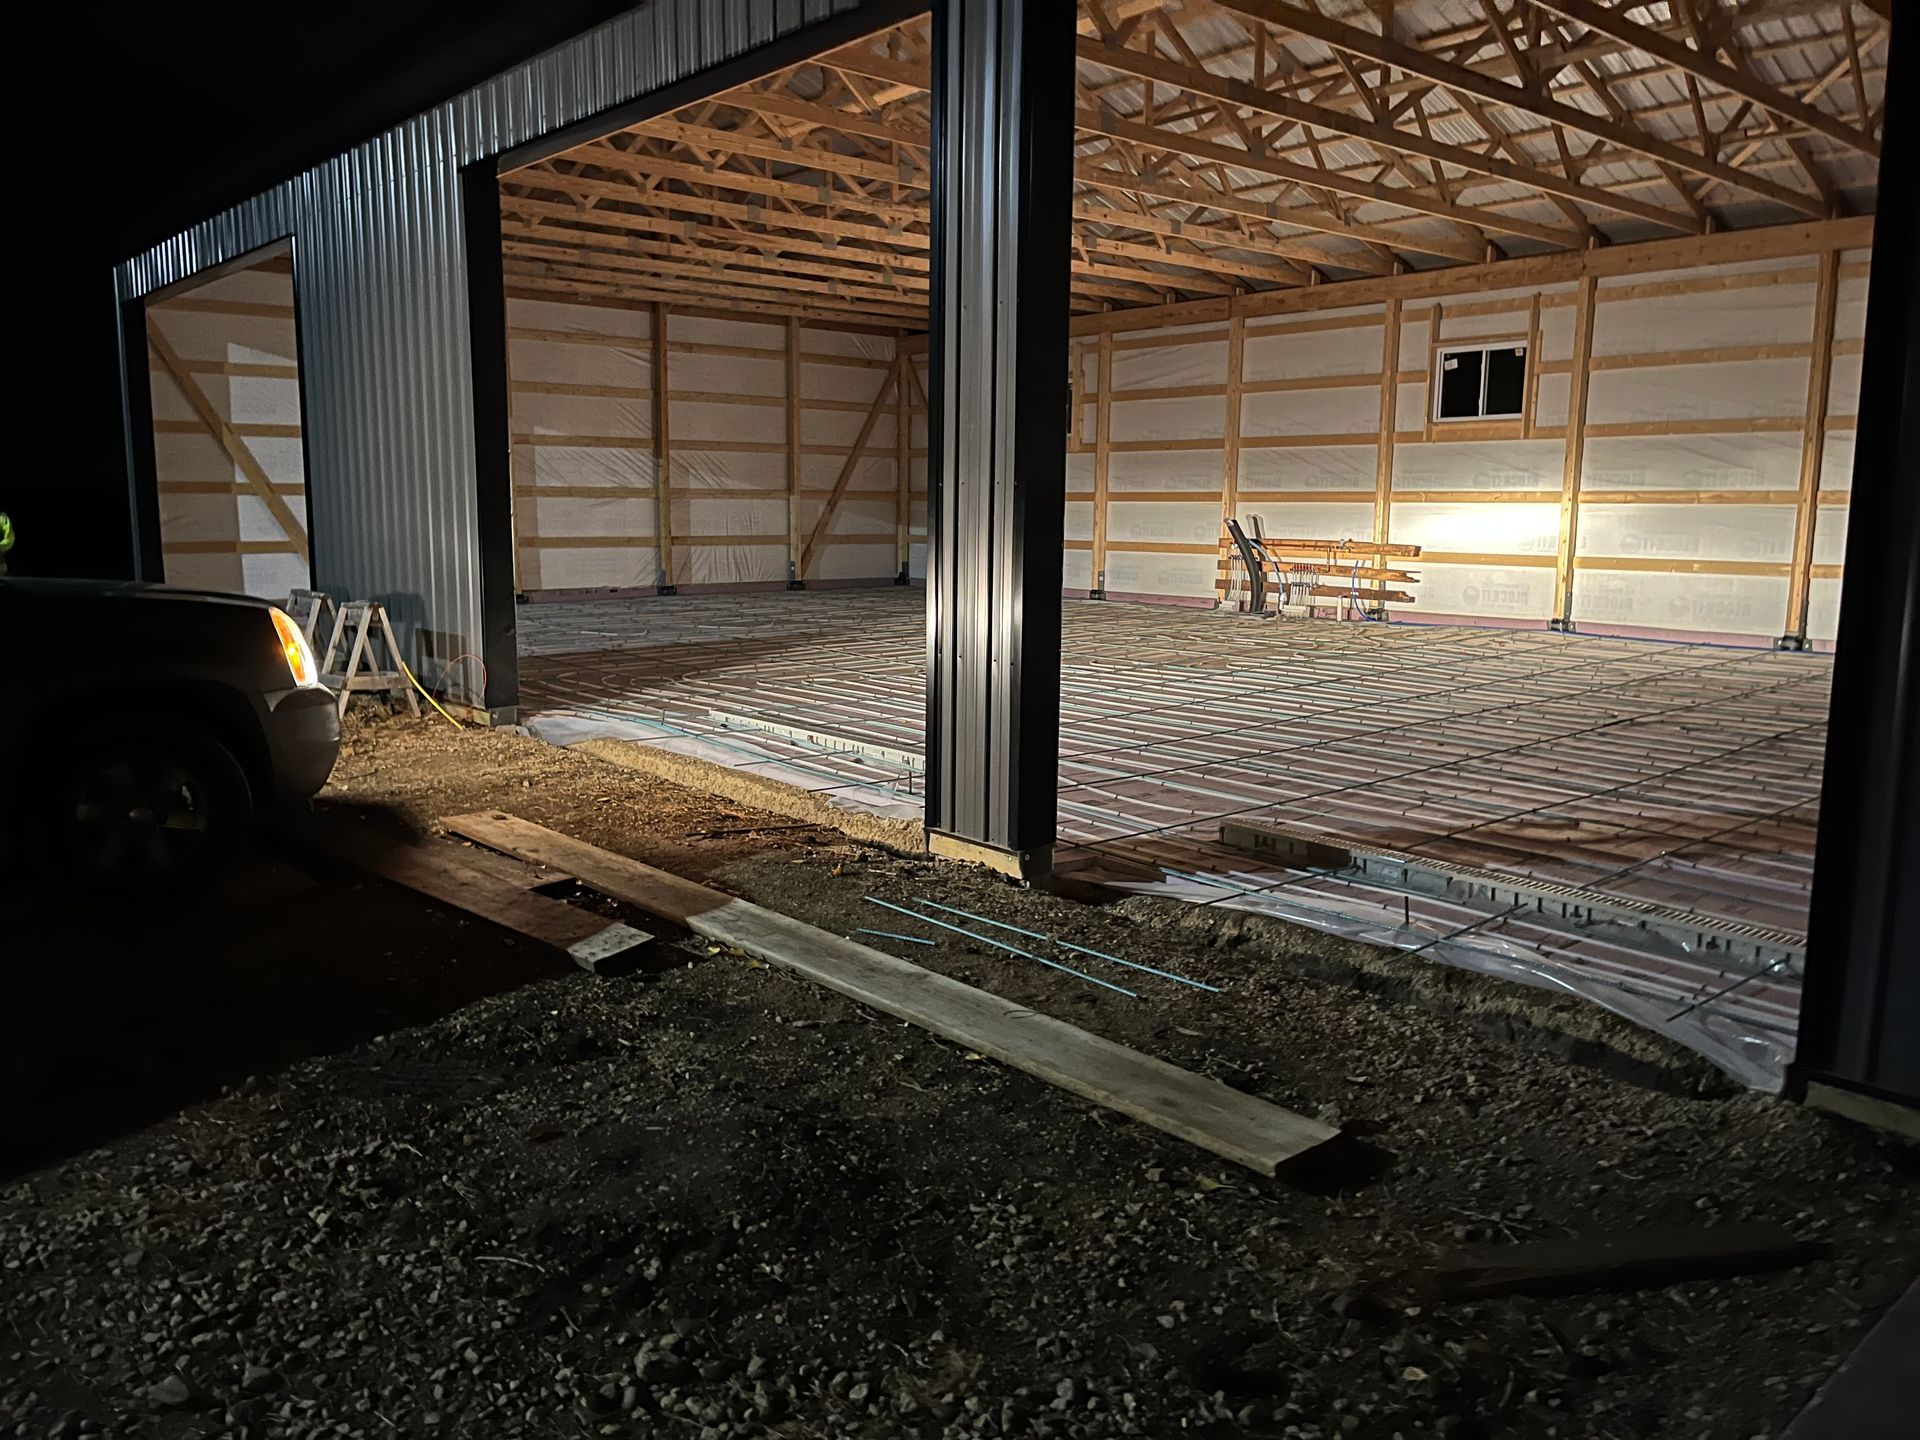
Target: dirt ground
(363,1167)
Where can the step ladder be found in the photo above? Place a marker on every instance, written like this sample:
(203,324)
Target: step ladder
(360,629)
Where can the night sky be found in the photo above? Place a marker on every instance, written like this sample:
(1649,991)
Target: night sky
(131,124)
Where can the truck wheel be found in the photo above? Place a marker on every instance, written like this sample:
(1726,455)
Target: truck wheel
(153,813)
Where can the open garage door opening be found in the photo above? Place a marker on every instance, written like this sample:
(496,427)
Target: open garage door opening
(230,465)
(1455,483)
(716,328)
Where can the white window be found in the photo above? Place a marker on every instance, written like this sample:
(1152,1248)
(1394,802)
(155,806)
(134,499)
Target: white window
(1481,382)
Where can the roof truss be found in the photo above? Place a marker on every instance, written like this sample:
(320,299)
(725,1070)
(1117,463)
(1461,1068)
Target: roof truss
(1226,146)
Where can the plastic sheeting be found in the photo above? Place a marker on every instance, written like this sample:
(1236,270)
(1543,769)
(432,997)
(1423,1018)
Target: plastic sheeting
(1692,462)
(1762,313)
(1723,425)
(1756,1058)
(1477,465)
(583,415)
(1333,521)
(1742,605)
(1687,532)
(1752,389)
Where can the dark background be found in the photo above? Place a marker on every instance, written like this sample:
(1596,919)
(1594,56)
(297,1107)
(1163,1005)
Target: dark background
(128,125)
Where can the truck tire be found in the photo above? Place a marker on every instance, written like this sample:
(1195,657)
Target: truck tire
(147,814)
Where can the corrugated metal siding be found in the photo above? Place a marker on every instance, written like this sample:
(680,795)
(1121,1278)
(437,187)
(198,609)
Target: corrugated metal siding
(381,277)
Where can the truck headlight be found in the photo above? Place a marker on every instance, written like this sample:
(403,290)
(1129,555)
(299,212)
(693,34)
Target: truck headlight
(293,645)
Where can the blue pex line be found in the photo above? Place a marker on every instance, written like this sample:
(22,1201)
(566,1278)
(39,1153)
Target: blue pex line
(999,945)
(1064,944)
(895,935)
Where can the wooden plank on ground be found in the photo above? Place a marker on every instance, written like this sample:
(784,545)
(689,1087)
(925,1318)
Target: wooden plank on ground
(477,884)
(1240,1127)
(1619,1262)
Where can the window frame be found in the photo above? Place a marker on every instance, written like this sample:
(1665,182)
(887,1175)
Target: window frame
(1483,347)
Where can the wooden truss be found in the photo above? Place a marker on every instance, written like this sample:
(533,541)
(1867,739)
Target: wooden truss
(1228,146)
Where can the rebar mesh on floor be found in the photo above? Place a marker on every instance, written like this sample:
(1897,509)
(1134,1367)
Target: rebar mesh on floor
(1683,774)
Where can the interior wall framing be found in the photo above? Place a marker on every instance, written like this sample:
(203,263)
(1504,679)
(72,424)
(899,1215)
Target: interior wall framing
(228,450)
(1682,464)
(782,451)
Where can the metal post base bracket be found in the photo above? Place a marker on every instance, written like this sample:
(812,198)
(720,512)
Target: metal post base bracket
(1561,627)
(1794,643)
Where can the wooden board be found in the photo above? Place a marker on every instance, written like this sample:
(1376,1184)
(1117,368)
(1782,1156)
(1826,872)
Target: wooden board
(1619,1262)
(1239,1127)
(482,885)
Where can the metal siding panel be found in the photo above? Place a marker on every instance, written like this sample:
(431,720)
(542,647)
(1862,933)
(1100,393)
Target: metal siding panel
(382,276)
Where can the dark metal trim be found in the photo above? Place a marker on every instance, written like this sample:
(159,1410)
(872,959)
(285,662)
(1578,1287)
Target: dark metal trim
(300,385)
(136,418)
(1860,1008)
(274,249)
(492,435)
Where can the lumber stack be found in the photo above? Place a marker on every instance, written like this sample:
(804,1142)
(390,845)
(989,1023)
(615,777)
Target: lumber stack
(1302,571)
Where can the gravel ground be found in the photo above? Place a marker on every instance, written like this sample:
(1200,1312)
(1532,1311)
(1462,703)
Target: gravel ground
(713,1200)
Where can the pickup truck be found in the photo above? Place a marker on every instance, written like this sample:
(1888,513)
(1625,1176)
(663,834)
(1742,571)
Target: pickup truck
(143,727)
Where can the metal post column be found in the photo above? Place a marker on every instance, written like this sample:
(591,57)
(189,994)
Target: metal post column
(997,427)
(1860,1008)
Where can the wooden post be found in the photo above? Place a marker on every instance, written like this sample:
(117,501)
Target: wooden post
(1230,456)
(1576,455)
(1076,385)
(902,470)
(1527,403)
(1813,441)
(1389,425)
(794,582)
(662,453)
(1435,317)
(1102,453)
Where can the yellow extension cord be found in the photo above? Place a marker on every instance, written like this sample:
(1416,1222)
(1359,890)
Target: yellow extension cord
(423,690)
